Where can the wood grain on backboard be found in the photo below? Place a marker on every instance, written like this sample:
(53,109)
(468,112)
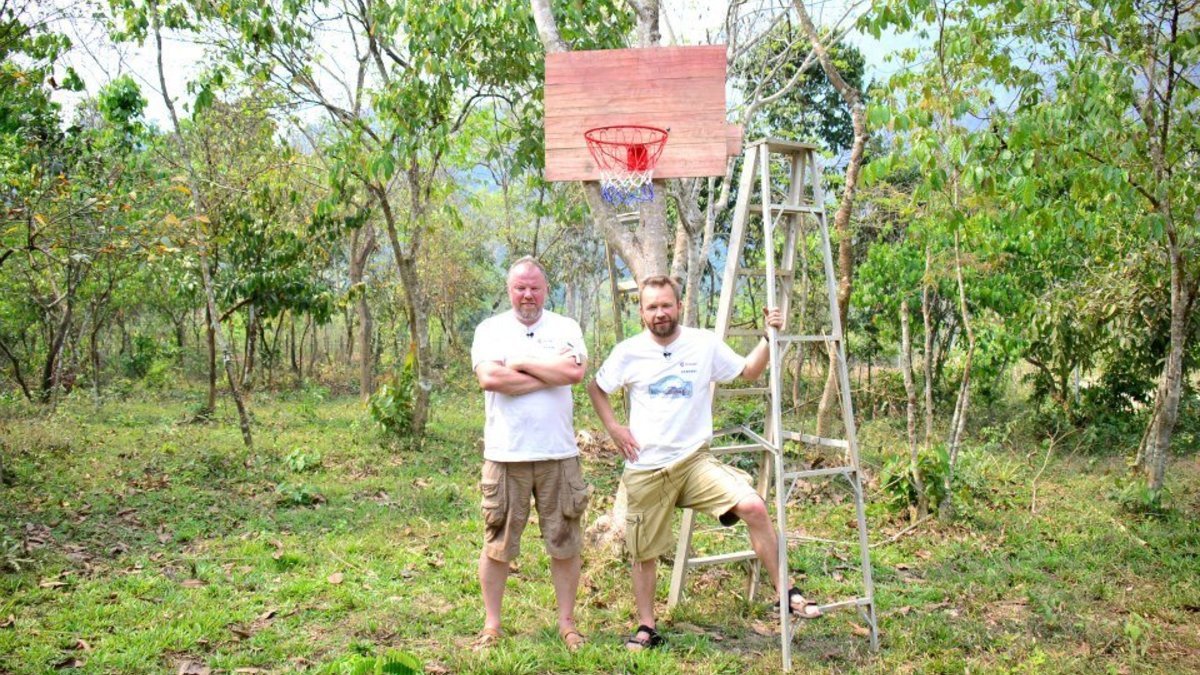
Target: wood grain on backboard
(681,89)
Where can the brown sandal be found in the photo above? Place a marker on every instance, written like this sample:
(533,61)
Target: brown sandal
(487,638)
(572,638)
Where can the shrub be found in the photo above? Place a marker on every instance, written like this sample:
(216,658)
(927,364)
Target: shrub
(302,459)
(142,351)
(899,480)
(393,661)
(391,406)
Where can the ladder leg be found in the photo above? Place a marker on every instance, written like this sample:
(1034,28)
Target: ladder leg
(683,549)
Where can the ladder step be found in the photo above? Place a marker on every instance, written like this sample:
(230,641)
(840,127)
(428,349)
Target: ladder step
(730,449)
(753,332)
(816,440)
(813,473)
(807,338)
(780,146)
(744,391)
(853,602)
(788,208)
(743,332)
(760,272)
(720,559)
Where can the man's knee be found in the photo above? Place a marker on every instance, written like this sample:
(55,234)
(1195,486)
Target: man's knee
(753,510)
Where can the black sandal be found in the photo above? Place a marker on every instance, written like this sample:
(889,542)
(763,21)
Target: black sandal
(636,644)
(807,609)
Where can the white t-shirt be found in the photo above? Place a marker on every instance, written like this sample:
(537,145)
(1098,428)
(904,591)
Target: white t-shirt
(670,412)
(537,425)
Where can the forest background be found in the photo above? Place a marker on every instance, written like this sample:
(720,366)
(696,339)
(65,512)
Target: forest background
(234,334)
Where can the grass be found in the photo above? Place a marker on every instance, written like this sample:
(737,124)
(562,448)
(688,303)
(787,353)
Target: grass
(132,541)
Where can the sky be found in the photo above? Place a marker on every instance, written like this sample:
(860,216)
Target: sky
(99,61)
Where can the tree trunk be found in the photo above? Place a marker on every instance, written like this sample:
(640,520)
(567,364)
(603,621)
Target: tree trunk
(927,360)
(841,219)
(200,216)
(406,266)
(1156,442)
(54,354)
(210,340)
(94,356)
(362,246)
(16,369)
(293,344)
(910,389)
(959,422)
(251,345)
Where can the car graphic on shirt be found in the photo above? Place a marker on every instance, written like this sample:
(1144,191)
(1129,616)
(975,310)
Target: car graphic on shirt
(671,386)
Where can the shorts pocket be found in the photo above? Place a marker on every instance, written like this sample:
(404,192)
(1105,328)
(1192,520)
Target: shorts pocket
(633,536)
(494,503)
(575,494)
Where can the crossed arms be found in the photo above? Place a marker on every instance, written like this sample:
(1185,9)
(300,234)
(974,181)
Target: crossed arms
(522,375)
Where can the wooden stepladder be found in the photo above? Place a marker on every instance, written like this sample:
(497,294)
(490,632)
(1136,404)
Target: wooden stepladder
(797,180)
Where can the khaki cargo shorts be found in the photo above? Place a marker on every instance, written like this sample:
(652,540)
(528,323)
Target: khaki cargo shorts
(699,482)
(557,487)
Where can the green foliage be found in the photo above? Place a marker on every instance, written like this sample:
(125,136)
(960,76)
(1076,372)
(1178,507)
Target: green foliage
(143,350)
(297,494)
(898,480)
(813,110)
(391,662)
(302,459)
(391,406)
(1137,498)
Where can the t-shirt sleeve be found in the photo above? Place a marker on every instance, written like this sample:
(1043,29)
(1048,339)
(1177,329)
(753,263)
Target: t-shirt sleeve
(574,339)
(485,347)
(611,375)
(727,364)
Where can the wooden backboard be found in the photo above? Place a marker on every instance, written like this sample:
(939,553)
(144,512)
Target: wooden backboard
(681,89)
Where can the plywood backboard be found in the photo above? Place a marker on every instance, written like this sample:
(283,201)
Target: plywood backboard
(681,89)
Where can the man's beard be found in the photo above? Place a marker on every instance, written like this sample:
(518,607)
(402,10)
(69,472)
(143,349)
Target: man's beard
(664,329)
(528,314)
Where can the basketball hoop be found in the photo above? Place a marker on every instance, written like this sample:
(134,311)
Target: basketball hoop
(626,156)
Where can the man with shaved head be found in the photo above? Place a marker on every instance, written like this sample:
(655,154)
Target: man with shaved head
(526,360)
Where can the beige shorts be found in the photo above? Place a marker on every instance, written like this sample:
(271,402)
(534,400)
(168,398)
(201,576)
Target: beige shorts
(699,482)
(556,485)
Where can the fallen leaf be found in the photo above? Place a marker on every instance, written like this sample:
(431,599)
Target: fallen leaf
(924,555)
(249,670)
(192,583)
(266,616)
(70,662)
(81,645)
(9,622)
(189,667)
(903,611)
(278,549)
(336,578)
(240,633)
(436,669)
(861,631)
(52,583)
(762,628)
